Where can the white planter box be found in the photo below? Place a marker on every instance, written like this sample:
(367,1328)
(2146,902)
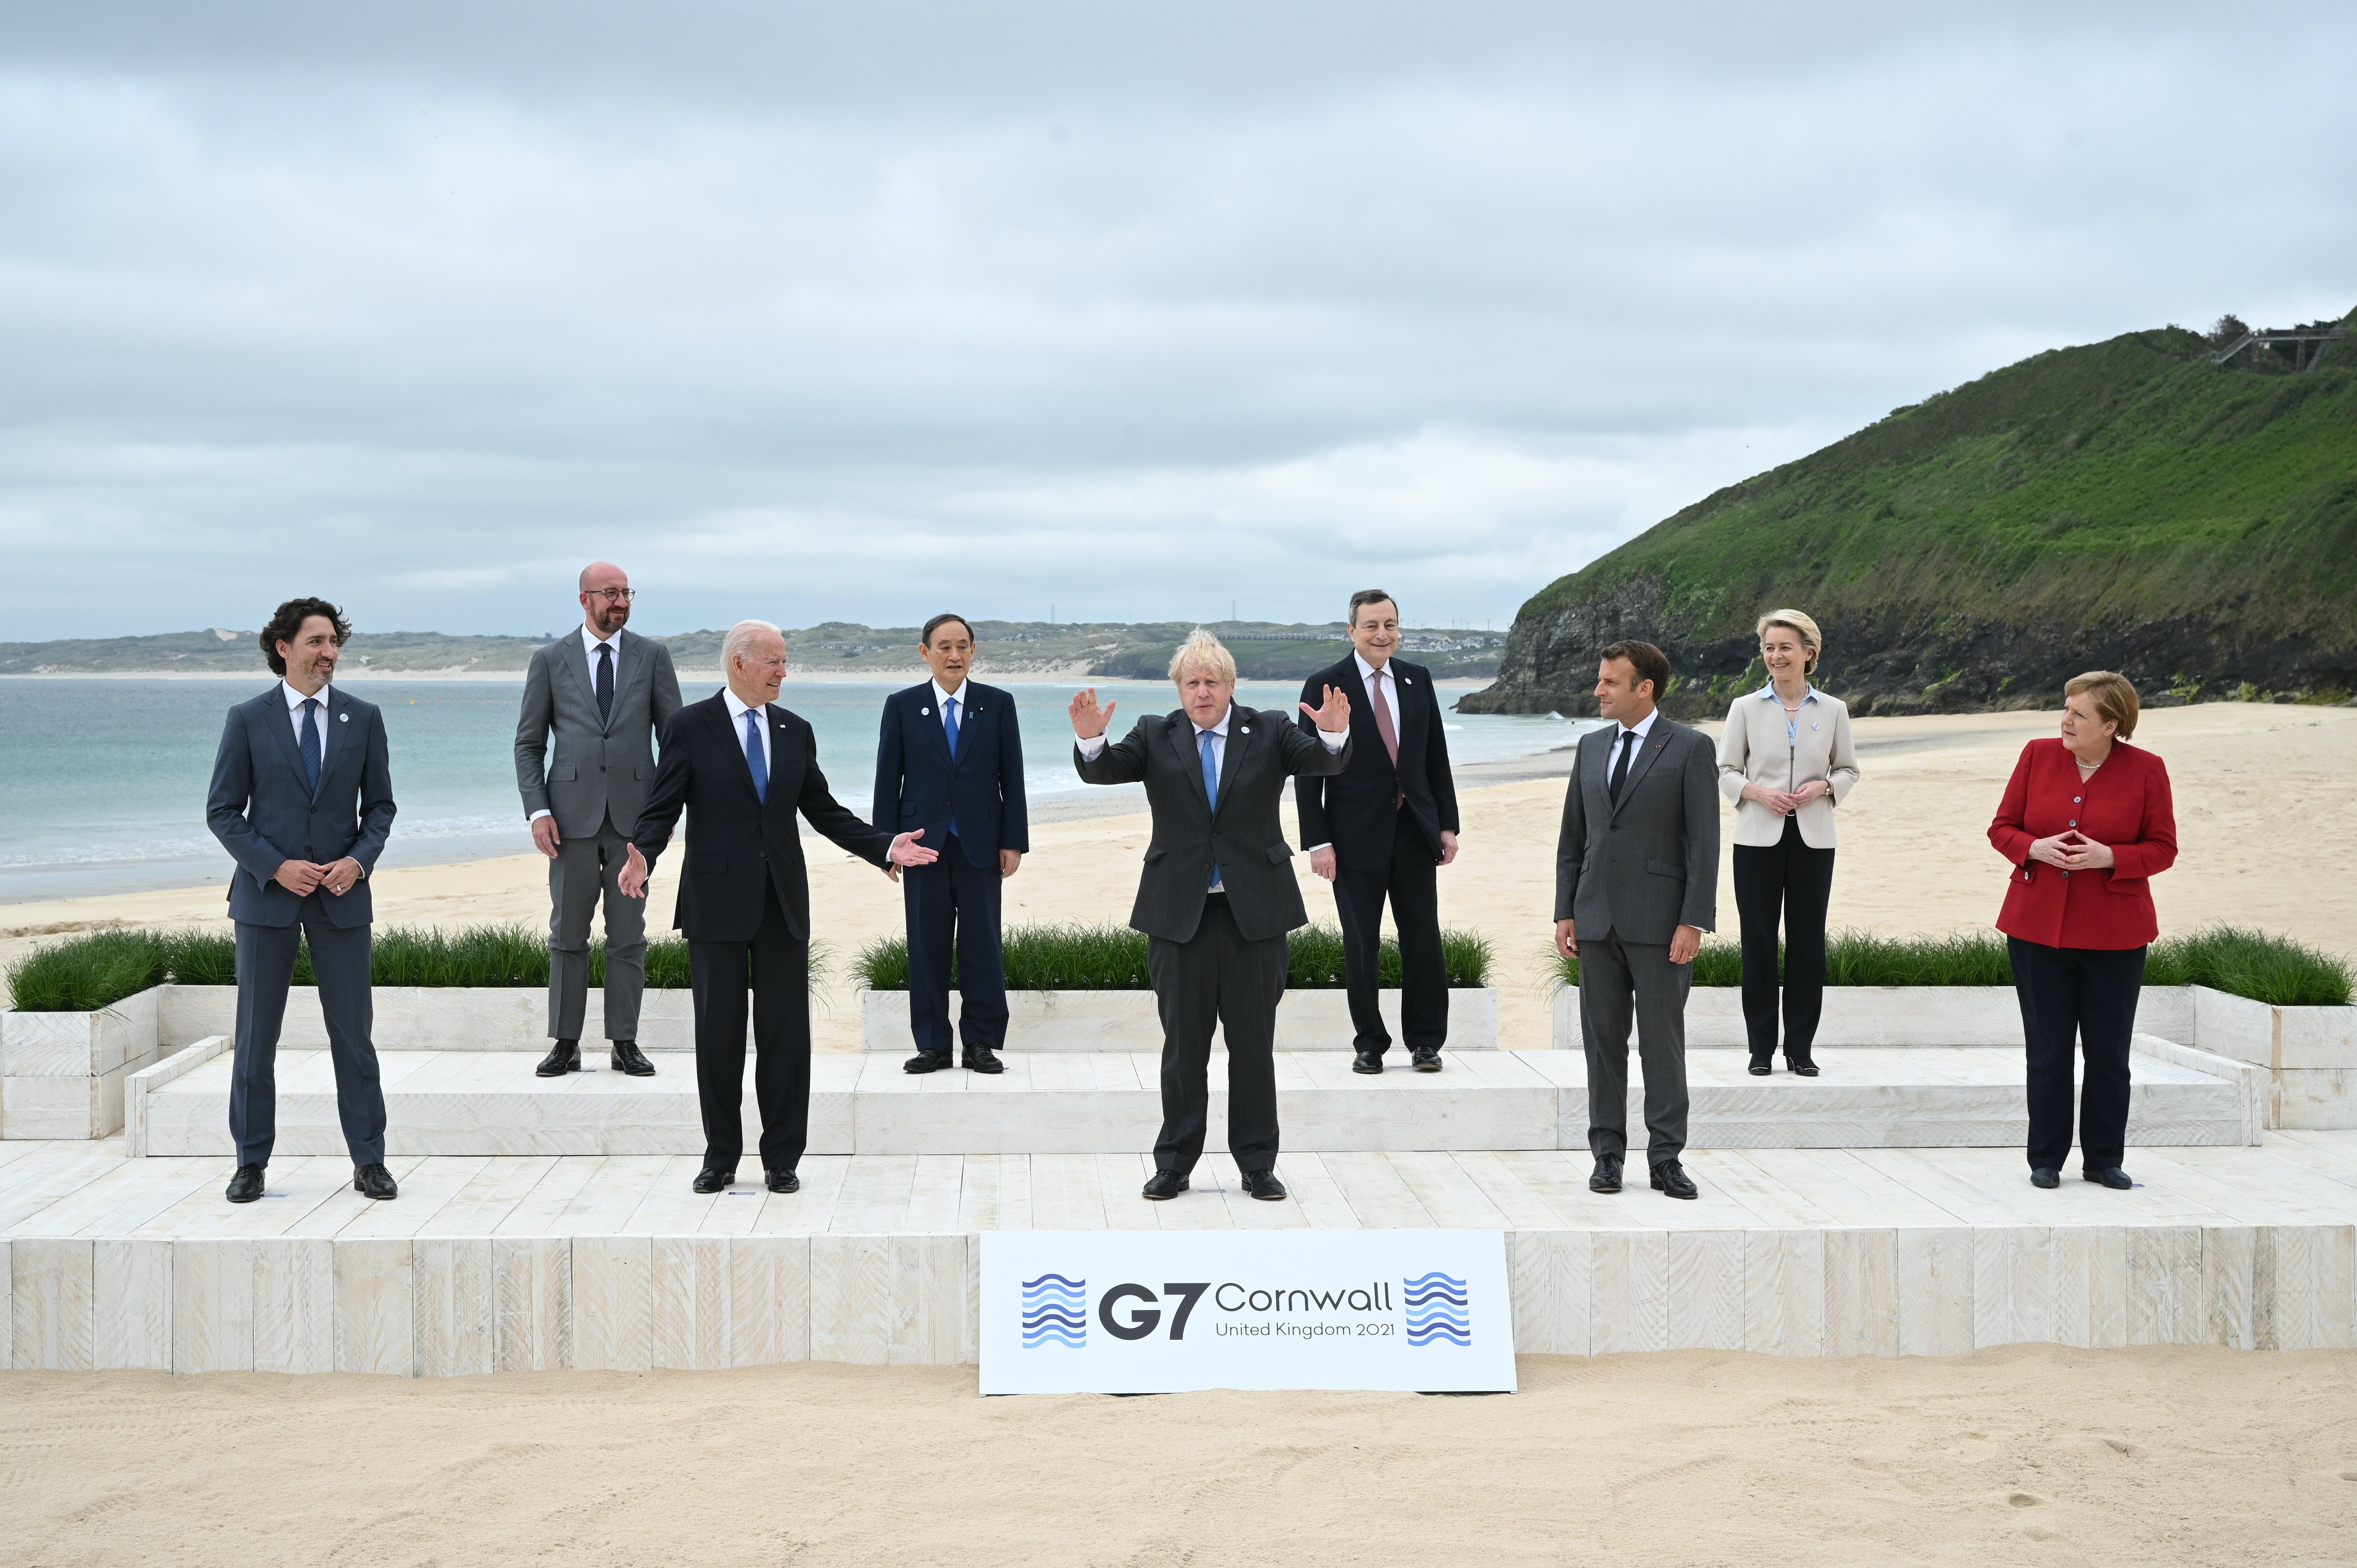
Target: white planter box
(1126,1020)
(2311,1053)
(429,1018)
(61,1073)
(1896,1015)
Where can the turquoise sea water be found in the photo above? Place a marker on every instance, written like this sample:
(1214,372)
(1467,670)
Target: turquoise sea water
(102,780)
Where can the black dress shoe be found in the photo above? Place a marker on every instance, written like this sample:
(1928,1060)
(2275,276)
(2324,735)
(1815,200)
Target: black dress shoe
(562,1058)
(1164,1183)
(2111,1177)
(926,1062)
(2045,1176)
(1670,1180)
(1800,1064)
(374,1181)
(784,1181)
(1264,1186)
(713,1178)
(1761,1064)
(1424,1058)
(1367,1061)
(628,1059)
(982,1058)
(246,1185)
(1606,1177)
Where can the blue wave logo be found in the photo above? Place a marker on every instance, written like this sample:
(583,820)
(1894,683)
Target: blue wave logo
(1438,1307)
(1055,1312)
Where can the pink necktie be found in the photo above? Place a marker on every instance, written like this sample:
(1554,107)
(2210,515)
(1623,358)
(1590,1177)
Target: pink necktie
(1389,731)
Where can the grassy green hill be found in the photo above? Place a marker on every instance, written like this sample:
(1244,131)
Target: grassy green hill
(2124,505)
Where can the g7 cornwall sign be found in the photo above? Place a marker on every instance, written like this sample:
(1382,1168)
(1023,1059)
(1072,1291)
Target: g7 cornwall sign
(1160,1312)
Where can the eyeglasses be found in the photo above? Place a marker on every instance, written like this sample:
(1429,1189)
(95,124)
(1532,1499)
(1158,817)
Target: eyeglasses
(612,596)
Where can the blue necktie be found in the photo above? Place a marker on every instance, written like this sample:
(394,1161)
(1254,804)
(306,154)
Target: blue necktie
(1211,788)
(311,742)
(755,756)
(949,716)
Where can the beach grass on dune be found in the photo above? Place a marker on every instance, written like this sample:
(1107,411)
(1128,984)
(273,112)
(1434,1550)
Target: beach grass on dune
(2255,965)
(1113,957)
(98,970)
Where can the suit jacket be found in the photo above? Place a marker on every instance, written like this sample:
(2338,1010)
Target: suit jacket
(1357,810)
(1243,835)
(919,785)
(602,767)
(1649,865)
(2125,805)
(735,841)
(262,809)
(1756,749)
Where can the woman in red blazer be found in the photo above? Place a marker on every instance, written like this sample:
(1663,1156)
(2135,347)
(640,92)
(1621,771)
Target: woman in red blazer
(2087,823)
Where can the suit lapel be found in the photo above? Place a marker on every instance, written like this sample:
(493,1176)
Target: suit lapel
(630,658)
(1642,763)
(1241,741)
(577,660)
(281,730)
(1411,712)
(1190,757)
(773,731)
(932,721)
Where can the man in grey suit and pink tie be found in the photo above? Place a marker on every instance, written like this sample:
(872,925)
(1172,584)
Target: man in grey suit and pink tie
(603,694)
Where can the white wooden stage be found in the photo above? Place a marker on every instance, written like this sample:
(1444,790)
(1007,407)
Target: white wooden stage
(529,1263)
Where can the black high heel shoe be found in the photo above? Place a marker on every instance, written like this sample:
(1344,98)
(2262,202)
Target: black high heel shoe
(1762,1065)
(1800,1064)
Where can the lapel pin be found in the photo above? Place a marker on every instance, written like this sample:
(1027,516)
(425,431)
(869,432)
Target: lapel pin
(924,713)
(1244,728)
(343,718)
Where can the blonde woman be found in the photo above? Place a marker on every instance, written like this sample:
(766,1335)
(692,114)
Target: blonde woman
(1786,761)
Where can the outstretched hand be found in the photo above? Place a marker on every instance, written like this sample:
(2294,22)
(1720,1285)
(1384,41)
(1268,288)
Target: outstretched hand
(1089,721)
(907,851)
(1334,716)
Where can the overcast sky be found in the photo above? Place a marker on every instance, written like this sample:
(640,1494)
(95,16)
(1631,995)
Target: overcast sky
(857,312)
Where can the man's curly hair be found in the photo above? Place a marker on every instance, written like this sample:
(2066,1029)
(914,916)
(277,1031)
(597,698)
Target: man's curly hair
(286,625)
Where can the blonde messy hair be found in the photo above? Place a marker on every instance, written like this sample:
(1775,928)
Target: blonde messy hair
(1203,651)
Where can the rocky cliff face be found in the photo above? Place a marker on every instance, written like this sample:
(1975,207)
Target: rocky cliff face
(2126,506)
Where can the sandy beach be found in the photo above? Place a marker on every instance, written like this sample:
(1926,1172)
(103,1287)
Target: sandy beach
(2024,1455)
(2266,840)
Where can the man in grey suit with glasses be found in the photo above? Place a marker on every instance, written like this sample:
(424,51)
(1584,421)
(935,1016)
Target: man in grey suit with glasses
(602,692)
(1636,885)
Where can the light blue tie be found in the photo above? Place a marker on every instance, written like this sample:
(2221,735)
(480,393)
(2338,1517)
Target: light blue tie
(311,742)
(755,756)
(949,716)
(1211,788)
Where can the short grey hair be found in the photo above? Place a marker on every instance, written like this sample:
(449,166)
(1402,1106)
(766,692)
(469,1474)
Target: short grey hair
(1202,650)
(741,637)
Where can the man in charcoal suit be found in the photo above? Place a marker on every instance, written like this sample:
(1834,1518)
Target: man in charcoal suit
(1381,829)
(603,692)
(1217,894)
(742,768)
(1636,885)
(950,761)
(302,799)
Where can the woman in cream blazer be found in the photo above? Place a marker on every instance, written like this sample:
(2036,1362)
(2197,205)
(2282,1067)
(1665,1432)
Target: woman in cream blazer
(1786,761)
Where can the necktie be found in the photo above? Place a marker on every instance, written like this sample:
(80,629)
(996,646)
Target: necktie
(755,755)
(1389,731)
(950,723)
(1211,788)
(311,742)
(605,682)
(1620,768)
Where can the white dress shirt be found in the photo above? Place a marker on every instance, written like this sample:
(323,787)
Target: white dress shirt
(590,643)
(942,701)
(294,701)
(1640,729)
(736,712)
(1389,686)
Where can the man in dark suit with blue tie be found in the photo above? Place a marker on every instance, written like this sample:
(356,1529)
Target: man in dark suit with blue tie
(742,768)
(302,796)
(950,762)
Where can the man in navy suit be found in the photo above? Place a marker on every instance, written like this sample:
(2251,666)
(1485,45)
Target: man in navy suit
(302,796)
(742,768)
(950,763)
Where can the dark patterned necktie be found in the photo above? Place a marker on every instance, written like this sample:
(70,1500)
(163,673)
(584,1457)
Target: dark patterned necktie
(311,748)
(604,682)
(1620,768)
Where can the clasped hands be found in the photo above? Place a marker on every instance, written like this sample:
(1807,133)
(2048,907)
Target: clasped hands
(1684,942)
(1784,802)
(905,851)
(2073,850)
(303,877)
